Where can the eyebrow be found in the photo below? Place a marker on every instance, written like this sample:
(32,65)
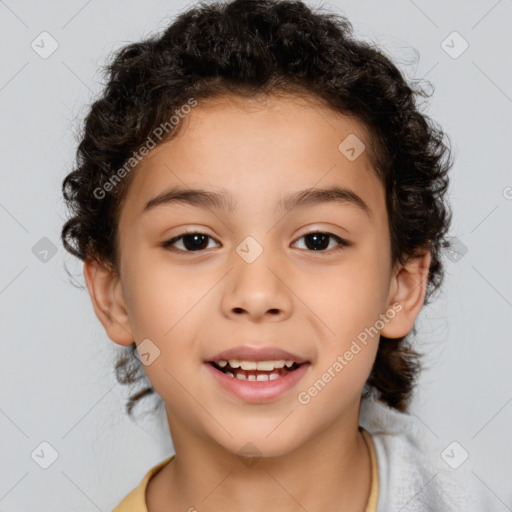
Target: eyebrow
(223,200)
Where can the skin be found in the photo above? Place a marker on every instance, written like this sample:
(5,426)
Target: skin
(192,305)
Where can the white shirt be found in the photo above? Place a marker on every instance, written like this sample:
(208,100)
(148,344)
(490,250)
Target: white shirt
(413,476)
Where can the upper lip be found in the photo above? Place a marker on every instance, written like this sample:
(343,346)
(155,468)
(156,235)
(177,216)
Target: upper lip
(248,353)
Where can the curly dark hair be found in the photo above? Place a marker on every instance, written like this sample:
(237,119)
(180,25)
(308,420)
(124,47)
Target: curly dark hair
(246,49)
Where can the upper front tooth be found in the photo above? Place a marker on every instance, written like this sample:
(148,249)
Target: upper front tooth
(269,365)
(258,365)
(248,365)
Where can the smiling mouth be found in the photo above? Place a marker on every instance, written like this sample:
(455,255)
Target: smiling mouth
(256,375)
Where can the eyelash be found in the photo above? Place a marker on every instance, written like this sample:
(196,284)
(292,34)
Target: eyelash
(167,245)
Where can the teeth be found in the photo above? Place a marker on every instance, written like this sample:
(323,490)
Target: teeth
(269,365)
(256,365)
(252,377)
(222,363)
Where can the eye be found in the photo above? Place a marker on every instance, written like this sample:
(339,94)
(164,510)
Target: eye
(194,241)
(319,241)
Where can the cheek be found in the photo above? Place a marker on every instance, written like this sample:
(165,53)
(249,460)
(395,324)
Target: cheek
(346,350)
(159,295)
(349,299)
(164,307)
(349,302)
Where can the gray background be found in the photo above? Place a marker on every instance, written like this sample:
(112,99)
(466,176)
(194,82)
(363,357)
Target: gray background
(56,367)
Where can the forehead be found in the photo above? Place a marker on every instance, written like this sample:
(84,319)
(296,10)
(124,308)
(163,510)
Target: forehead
(262,147)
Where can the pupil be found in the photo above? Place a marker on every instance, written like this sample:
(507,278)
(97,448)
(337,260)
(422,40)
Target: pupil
(197,242)
(318,239)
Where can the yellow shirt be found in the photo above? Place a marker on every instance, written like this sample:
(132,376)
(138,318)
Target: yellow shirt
(136,500)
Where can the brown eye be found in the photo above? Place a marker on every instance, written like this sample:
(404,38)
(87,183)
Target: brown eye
(193,241)
(190,242)
(320,241)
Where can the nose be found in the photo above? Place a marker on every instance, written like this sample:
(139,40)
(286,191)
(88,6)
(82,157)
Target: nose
(257,291)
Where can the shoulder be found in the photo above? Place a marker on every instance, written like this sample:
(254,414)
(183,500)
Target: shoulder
(135,501)
(413,476)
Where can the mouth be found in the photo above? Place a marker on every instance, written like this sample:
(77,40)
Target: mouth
(257,381)
(257,374)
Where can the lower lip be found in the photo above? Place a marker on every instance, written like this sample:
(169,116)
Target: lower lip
(259,391)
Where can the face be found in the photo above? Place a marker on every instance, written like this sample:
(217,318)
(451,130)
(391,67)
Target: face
(260,271)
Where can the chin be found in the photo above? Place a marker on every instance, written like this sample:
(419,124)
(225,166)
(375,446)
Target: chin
(260,440)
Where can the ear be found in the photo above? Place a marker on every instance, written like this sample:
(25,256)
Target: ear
(108,301)
(407,294)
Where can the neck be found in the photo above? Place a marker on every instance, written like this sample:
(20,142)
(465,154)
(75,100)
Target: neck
(334,467)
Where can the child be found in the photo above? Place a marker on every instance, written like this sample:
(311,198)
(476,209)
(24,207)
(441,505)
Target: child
(278,345)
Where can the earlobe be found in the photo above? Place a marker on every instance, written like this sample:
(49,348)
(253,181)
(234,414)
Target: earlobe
(408,291)
(108,301)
